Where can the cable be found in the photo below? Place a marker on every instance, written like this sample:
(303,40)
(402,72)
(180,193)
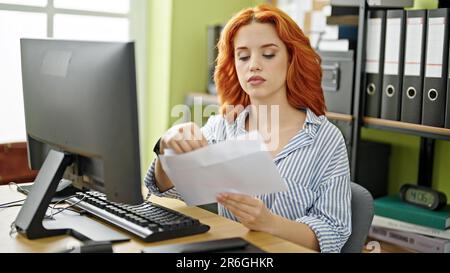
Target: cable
(63,209)
(10,203)
(22,190)
(11,206)
(71,206)
(18,188)
(12,229)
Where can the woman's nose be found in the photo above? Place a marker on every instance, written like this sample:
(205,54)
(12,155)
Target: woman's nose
(254,65)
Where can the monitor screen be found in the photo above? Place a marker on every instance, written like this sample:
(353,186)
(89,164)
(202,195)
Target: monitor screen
(80,99)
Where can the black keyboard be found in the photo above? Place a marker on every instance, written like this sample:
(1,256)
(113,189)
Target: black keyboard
(148,221)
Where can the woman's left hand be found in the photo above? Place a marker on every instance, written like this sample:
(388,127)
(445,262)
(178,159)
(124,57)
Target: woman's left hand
(250,211)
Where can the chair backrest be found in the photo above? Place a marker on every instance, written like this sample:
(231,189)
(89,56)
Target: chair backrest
(362,215)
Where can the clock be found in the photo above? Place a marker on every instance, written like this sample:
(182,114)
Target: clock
(423,196)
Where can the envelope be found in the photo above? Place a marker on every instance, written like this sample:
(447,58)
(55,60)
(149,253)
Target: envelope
(241,165)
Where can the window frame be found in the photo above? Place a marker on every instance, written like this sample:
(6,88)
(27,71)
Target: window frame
(50,10)
(137,31)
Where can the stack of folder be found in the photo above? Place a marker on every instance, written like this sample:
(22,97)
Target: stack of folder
(406,66)
(412,227)
(343,13)
(341,31)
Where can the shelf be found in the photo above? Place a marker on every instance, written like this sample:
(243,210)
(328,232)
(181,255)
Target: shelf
(390,3)
(345,3)
(375,3)
(409,128)
(337,116)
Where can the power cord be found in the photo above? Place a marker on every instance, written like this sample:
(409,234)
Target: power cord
(11,204)
(18,188)
(13,229)
(66,208)
(22,190)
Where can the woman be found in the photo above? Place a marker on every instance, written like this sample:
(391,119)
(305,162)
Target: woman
(266,60)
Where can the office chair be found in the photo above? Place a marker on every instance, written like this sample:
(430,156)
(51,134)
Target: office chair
(362,215)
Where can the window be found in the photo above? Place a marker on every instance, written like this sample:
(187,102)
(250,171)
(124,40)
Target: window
(36,3)
(26,24)
(114,6)
(107,20)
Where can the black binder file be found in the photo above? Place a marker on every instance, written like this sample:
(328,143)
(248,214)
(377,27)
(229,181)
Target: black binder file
(376,27)
(414,63)
(436,69)
(393,65)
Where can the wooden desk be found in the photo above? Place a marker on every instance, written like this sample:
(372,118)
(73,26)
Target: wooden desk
(220,228)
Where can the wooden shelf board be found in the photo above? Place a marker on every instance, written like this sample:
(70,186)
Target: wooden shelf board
(407,126)
(338,116)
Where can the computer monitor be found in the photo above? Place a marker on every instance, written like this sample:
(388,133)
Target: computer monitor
(81,121)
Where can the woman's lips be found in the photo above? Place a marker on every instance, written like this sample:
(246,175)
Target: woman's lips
(256,80)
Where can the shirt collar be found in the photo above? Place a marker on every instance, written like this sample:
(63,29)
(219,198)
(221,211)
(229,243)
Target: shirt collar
(311,118)
(304,137)
(312,123)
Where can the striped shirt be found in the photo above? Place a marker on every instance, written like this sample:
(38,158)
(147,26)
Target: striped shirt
(314,166)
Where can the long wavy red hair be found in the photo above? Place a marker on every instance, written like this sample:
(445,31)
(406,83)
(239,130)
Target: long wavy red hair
(304,76)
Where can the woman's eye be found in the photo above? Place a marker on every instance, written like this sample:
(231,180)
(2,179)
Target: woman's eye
(269,56)
(244,58)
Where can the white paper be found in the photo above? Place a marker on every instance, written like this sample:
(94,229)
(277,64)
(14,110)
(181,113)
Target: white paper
(318,21)
(392,49)
(294,9)
(435,47)
(331,32)
(413,46)
(373,45)
(334,45)
(304,5)
(238,166)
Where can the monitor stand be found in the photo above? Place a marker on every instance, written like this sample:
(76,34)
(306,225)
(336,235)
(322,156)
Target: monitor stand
(30,220)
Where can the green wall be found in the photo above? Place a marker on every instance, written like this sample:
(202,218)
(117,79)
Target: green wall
(159,25)
(425,4)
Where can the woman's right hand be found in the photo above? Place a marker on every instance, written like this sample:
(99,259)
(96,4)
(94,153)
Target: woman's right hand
(183,138)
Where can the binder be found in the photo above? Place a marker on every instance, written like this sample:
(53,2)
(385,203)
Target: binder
(376,28)
(393,65)
(414,64)
(436,69)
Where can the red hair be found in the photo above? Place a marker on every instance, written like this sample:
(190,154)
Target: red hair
(304,75)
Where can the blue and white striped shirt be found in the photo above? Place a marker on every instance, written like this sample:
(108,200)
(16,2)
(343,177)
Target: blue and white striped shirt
(314,165)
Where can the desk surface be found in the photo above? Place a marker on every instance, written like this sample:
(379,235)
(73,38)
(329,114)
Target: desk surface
(220,228)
